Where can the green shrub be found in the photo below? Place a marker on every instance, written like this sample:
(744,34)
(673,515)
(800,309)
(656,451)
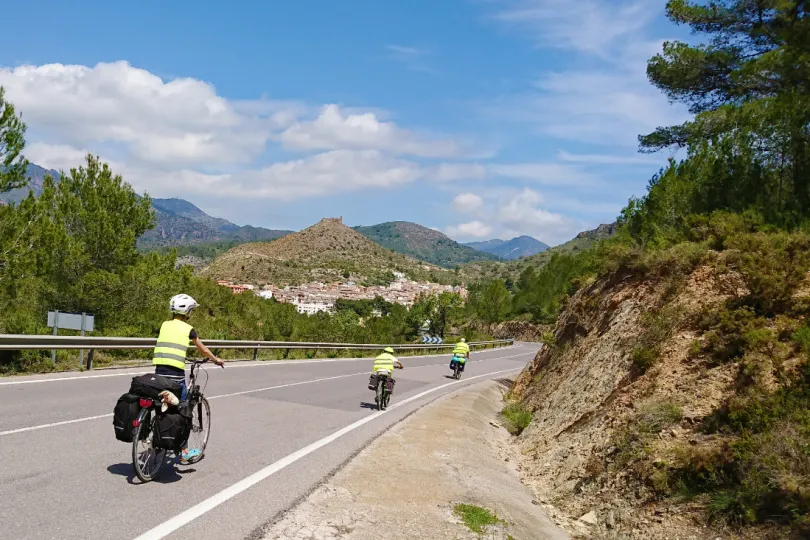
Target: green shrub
(657,415)
(725,331)
(517,418)
(657,325)
(772,267)
(476,518)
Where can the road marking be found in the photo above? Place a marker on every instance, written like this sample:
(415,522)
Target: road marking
(165,529)
(55,424)
(230,366)
(299,383)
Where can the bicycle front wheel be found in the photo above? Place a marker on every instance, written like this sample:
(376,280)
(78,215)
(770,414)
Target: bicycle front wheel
(200,428)
(147,460)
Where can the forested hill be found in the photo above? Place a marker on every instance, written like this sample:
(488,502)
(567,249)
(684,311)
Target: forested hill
(422,243)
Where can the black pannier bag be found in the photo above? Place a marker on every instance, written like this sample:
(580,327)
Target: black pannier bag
(372,382)
(126,410)
(174,427)
(151,385)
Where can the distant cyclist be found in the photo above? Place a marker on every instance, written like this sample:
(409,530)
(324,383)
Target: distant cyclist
(172,345)
(461,353)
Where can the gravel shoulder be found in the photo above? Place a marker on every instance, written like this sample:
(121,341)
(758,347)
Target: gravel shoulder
(406,483)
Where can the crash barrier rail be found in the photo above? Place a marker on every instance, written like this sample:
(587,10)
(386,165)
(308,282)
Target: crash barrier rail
(19,342)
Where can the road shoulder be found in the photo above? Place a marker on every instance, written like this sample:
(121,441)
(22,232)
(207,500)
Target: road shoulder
(405,484)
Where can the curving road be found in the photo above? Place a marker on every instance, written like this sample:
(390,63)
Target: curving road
(278,429)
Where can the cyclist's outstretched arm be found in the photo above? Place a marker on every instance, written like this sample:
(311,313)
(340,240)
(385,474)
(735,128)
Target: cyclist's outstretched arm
(205,351)
(398,364)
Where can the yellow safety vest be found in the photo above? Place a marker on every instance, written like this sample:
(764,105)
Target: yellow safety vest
(172,344)
(384,361)
(461,348)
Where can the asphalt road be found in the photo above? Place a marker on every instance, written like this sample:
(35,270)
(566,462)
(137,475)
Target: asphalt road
(278,429)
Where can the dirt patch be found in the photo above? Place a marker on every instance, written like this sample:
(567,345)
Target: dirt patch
(408,482)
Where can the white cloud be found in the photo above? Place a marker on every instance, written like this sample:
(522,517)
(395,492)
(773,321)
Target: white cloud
(327,173)
(552,174)
(182,122)
(412,57)
(524,214)
(473,229)
(591,26)
(606,159)
(467,202)
(608,101)
(448,172)
(405,51)
(515,214)
(333,130)
(178,137)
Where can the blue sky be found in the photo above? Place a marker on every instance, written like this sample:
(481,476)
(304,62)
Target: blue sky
(482,118)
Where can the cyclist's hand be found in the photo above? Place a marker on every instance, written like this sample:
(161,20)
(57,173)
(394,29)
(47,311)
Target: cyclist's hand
(220,363)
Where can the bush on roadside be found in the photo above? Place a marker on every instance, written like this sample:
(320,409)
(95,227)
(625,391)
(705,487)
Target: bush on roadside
(517,418)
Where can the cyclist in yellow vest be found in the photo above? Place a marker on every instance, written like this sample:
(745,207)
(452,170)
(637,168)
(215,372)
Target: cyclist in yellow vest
(169,357)
(385,362)
(461,353)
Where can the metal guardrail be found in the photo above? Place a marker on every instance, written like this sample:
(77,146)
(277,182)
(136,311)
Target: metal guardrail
(19,342)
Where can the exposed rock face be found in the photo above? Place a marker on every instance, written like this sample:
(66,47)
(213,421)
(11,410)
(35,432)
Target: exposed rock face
(583,390)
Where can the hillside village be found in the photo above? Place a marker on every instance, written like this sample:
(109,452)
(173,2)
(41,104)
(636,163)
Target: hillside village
(316,297)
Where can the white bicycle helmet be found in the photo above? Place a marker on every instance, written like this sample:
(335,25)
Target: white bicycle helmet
(182,304)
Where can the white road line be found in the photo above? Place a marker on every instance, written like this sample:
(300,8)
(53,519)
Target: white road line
(88,418)
(230,366)
(165,529)
(55,424)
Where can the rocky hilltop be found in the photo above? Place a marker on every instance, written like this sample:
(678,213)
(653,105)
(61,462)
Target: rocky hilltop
(328,252)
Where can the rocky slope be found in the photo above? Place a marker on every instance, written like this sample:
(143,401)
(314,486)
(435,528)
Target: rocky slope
(329,251)
(608,438)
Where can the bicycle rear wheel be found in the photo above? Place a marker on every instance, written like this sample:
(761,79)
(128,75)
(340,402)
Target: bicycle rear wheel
(380,394)
(147,461)
(200,428)
(386,399)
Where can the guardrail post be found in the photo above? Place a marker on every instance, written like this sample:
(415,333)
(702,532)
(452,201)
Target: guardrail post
(90,354)
(256,353)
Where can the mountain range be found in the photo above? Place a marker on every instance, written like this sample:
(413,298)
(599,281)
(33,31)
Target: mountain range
(178,222)
(422,243)
(522,246)
(202,237)
(181,223)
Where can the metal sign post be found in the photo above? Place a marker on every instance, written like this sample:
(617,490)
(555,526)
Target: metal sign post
(70,321)
(55,328)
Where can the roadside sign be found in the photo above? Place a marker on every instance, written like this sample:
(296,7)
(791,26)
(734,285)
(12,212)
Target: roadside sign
(70,321)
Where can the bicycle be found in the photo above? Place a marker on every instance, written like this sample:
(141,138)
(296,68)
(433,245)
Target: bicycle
(383,392)
(458,367)
(148,463)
